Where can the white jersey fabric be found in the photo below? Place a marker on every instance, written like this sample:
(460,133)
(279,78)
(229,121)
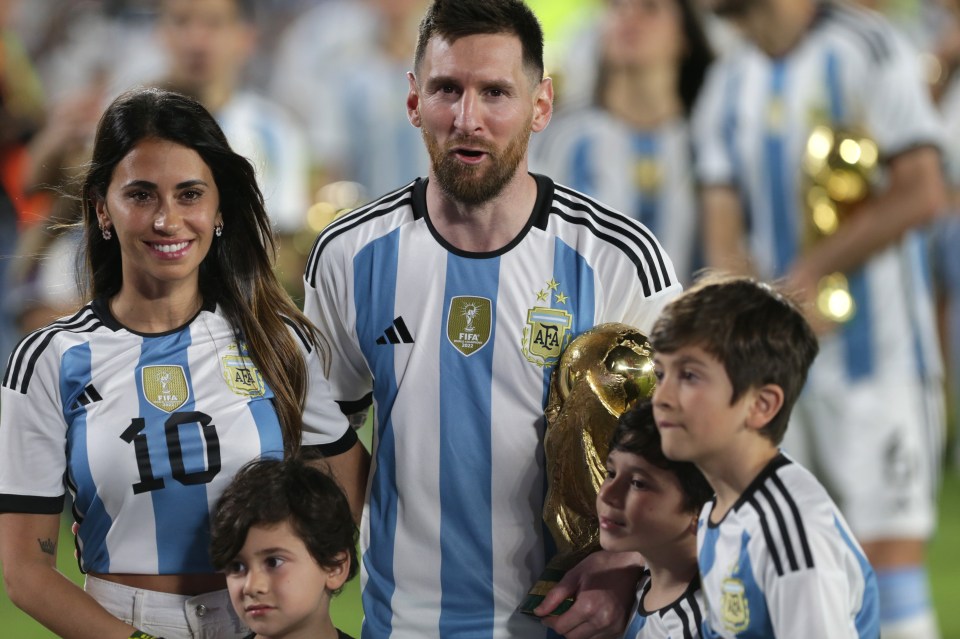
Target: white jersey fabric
(783,563)
(680,620)
(268,135)
(457,349)
(145,431)
(646,174)
(851,69)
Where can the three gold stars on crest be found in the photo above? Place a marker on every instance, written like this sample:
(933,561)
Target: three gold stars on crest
(552,285)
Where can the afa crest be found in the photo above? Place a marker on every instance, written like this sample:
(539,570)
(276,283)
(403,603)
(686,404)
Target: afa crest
(241,374)
(468,323)
(647,175)
(734,607)
(547,331)
(165,386)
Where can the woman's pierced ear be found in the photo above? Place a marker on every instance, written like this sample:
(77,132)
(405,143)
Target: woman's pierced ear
(104,221)
(218,229)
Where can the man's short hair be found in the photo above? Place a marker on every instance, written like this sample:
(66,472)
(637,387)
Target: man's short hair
(453,19)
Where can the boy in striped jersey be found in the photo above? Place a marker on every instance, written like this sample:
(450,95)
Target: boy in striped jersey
(804,63)
(649,504)
(776,556)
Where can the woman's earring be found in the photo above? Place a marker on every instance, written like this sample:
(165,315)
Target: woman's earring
(218,229)
(106,232)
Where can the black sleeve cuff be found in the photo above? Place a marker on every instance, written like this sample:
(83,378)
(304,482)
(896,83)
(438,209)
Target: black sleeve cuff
(34,505)
(357,405)
(333,449)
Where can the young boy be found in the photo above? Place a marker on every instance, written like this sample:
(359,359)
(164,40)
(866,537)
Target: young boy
(777,558)
(649,504)
(283,534)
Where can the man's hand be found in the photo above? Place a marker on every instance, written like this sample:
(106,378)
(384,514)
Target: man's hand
(604,586)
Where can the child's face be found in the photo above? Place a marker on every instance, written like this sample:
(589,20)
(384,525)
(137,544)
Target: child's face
(691,404)
(640,506)
(276,586)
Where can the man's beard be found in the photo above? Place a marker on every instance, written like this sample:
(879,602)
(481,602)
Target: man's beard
(470,184)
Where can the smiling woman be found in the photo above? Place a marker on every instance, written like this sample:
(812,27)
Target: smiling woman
(189,361)
(163,206)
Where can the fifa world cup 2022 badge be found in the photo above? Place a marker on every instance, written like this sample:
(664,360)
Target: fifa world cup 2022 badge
(734,607)
(469,323)
(240,373)
(165,386)
(548,329)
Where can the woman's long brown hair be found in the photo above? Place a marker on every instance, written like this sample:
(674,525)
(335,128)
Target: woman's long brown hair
(238,271)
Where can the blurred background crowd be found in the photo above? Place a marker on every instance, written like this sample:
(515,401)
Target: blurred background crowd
(313,92)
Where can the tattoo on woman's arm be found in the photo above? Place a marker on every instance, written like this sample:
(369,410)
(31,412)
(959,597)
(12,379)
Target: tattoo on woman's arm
(48,546)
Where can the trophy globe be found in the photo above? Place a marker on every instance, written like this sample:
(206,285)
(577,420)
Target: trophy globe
(601,374)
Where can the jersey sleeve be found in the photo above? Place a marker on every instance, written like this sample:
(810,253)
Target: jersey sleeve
(713,163)
(33,434)
(330,306)
(644,311)
(636,289)
(899,112)
(323,423)
(817,600)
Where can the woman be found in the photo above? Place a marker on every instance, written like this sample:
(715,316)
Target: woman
(630,147)
(189,361)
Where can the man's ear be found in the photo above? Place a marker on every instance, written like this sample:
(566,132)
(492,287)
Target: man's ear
(413,100)
(542,105)
(767,402)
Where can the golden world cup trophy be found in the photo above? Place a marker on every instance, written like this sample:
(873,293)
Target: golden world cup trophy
(838,167)
(601,374)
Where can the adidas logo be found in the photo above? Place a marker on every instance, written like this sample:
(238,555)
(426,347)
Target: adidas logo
(88,396)
(396,334)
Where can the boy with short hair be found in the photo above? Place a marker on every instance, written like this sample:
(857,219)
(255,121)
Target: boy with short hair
(776,556)
(650,504)
(283,534)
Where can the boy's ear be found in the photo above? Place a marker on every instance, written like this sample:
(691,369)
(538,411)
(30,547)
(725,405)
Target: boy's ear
(767,402)
(337,575)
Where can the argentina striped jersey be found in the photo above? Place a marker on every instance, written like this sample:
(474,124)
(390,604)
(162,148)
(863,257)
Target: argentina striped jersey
(645,173)
(457,349)
(146,431)
(751,124)
(680,620)
(783,563)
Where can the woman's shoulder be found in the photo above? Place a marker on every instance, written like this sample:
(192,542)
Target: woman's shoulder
(53,339)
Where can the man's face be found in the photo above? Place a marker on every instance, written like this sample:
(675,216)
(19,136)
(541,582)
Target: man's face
(476,107)
(208,40)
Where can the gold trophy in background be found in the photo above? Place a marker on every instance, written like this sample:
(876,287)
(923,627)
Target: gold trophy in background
(838,167)
(601,374)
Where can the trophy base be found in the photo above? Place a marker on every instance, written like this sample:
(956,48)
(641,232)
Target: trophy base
(536,595)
